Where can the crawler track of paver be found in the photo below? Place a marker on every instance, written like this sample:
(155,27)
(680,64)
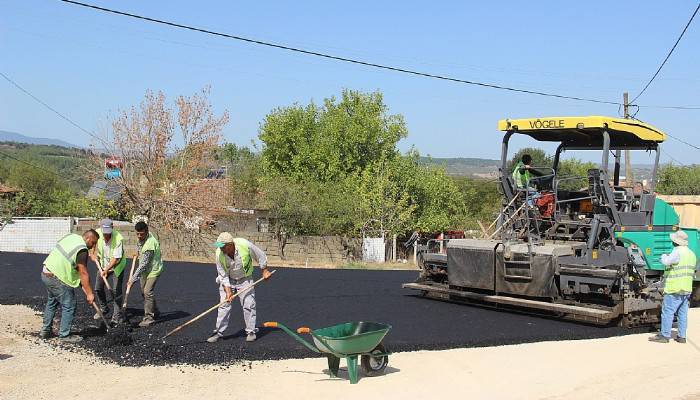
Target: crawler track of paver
(296,297)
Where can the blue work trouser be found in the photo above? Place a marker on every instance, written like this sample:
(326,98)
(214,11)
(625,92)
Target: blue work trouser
(59,294)
(674,304)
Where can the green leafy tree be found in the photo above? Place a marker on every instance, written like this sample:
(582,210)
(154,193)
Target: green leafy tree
(330,142)
(683,180)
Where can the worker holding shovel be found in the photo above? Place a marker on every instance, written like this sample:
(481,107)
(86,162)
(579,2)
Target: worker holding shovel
(149,269)
(109,257)
(234,264)
(64,270)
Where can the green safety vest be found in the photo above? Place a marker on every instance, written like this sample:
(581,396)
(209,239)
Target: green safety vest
(115,240)
(243,251)
(679,278)
(156,263)
(520,180)
(62,259)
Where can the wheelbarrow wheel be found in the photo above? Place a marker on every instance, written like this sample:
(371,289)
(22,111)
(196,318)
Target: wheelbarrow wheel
(374,366)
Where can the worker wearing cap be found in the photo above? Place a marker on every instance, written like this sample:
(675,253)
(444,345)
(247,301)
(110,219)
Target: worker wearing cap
(109,254)
(678,286)
(149,269)
(234,264)
(64,270)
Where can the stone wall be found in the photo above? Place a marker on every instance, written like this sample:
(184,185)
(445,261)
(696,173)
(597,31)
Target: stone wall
(298,250)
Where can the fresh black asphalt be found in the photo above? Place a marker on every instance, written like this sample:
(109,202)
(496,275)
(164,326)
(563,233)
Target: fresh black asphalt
(295,297)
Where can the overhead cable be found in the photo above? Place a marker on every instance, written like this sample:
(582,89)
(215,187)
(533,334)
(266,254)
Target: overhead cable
(339,58)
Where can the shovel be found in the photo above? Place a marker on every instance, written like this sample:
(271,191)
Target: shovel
(128,286)
(99,312)
(215,307)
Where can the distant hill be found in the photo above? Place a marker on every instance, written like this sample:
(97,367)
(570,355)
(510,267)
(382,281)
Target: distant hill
(462,166)
(6,136)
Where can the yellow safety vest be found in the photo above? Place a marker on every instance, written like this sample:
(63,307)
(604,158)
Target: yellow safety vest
(62,259)
(113,243)
(243,251)
(679,278)
(156,263)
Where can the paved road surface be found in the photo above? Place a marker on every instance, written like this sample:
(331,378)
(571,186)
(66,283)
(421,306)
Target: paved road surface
(295,297)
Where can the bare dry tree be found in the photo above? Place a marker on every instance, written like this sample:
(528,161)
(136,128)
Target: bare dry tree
(166,154)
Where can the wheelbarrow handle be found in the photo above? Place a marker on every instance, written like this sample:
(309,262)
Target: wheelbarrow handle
(303,329)
(272,324)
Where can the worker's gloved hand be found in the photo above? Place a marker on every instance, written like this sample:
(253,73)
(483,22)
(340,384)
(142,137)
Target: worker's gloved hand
(229,297)
(266,274)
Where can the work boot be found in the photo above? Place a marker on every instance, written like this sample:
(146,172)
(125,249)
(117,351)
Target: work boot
(680,339)
(214,338)
(71,339)
(251,337)
(45,334)
(146,322)
(659,338)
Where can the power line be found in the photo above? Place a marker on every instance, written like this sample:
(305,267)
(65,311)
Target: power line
(70,121)
(669,54)
(339,58)
(669,107)
(684,142)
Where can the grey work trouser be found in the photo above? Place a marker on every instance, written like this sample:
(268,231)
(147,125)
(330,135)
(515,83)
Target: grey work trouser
(247,300)
(150,308)
(117,299)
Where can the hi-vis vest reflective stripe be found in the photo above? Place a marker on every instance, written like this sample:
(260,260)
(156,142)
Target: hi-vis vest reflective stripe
(243,252)
(156,263)
(114,241)
(62,259)
(679,279)
(520,180)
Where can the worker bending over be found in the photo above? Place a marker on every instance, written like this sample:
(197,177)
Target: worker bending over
(234,264)
(64,270)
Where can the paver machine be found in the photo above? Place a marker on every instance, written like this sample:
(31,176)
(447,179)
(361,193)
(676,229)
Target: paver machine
(582,248)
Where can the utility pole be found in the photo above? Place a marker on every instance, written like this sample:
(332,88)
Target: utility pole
(629,178)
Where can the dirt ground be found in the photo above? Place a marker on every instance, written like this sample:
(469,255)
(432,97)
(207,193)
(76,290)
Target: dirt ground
(626,367)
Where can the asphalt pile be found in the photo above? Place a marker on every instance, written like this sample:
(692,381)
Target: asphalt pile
(294,297)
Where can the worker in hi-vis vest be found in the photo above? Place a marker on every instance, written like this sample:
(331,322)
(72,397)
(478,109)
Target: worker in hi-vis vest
(64,270)
(149,269)
(109,254)
(234,265)
(680,270)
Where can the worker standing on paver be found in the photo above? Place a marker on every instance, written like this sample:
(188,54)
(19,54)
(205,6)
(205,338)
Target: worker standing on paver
(150,268)
(64,270)
(678,285)
(109,254)
(234,264)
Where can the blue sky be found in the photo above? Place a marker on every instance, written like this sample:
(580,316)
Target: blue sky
(88,64)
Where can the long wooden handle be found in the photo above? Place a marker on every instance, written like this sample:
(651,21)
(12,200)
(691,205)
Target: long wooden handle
(99,312)
(216,306)
(104,278)
(128,285)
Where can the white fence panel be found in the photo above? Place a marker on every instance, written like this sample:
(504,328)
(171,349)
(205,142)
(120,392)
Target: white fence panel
(373,250)
(33,235)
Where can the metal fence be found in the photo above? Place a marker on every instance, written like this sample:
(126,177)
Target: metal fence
(33,235)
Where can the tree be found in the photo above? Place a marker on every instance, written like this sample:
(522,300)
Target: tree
(679,180)
(245,173)
(341,138)
(166,154)
(540,159)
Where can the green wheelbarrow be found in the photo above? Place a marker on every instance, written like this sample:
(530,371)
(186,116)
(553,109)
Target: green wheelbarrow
(349,340)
